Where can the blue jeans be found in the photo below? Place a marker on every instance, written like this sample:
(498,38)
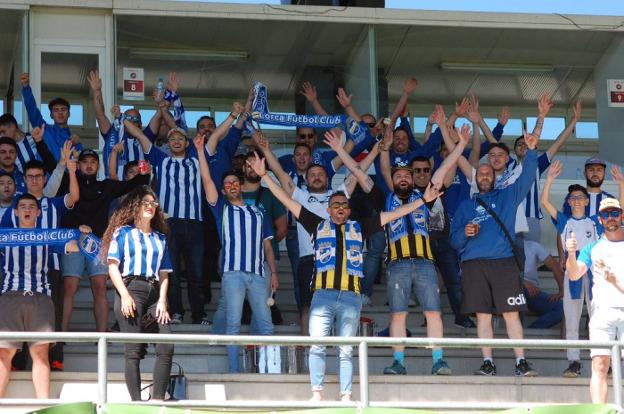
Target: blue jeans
(551,313)
(292,246)
(186,241)
(448,263)
(376,244)
(413,276)
(236,285)
(344,307)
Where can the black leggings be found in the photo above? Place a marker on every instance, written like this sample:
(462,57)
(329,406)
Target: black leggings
(145,297)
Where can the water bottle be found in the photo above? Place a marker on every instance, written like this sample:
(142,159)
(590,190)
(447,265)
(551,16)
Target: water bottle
(160,90)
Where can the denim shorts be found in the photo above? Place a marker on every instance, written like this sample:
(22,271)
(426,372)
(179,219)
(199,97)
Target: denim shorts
(77,265)
(417,276)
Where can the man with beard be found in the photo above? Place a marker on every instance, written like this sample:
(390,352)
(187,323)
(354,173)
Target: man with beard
(8,155)
(410,259)
(603,258)
(29,146)
(92,209)
(7,192)
(490,275)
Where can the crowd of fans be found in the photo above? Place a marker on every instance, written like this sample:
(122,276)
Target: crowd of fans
(430,207)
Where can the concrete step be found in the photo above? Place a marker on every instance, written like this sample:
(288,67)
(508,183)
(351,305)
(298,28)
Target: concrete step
(410,390)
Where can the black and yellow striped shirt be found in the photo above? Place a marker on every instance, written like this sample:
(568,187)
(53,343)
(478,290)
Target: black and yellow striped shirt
(412,246)
(338,278)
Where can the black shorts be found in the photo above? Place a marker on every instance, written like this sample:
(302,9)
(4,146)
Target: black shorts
(492,286)
(305,273)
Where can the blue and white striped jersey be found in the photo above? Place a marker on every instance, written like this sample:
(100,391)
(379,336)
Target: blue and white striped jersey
(179,186)
(592,207)
(25,268)
(132,149)
(242,230)
(532,201)
(26,151)
(138,253)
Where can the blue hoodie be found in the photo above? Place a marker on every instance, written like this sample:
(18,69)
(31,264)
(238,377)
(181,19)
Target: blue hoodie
(490,242)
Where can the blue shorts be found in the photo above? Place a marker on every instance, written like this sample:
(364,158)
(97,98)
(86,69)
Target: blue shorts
(77,265)
(417,276)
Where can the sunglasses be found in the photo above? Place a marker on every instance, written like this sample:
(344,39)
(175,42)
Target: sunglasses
(337,204)
(152,204)
(231,184)
(610,213)
(134,119)
(425,170)
(371,124)
(577,198)
(304,136)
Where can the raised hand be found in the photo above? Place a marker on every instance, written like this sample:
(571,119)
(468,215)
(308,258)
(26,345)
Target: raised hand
(438,116)
(343,99)
(115,111)
(504,115)
(472,114)
(577,109)
(66,152)
(75,139)
(94,80)
(260,140)
(543,105)
(25,79)
(464,134)
(410,85)
(333,140)
(38,132)
(462,107)
(72,166)
(531,140)
(85,229)
(309,91)
(118,147)
(571,244)
(555,170)
(237,108)
(617,175)
(386,143)
(198,141)
(431,193)
(405,111)
(173,82)
(257,164)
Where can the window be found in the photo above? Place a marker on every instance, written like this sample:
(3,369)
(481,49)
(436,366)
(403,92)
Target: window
(193,116)
(552,126)
(513,127)
(587,130)
(75,114)
(420,124)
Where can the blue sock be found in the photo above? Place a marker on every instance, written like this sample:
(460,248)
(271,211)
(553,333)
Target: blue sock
(399,356)
(437,354)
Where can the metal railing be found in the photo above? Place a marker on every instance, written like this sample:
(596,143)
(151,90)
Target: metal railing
(361,342)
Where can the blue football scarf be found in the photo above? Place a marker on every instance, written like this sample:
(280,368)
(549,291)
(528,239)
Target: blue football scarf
(325,247)
(88,244)
(354,130)
(418,218)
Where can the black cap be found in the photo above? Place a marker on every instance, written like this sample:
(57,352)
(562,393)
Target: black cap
(88,153)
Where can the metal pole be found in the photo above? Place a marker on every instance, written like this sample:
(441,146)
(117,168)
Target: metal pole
(363,363)
(616,364)
(102,371)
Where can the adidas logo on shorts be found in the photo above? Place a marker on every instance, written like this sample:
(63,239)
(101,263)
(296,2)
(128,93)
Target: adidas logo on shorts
(516,301)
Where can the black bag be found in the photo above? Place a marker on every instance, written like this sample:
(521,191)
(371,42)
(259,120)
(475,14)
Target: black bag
(178,385)
(517,250)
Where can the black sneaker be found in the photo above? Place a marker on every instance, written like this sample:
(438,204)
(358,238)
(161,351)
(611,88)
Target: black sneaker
(523,369)
(488,368)
(573,371)
(465,323)
(395,369)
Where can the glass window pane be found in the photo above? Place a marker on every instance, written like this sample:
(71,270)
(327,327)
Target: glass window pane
(1,106)
(17,111)
(552,126)
(75,114)
(420,124)
(513,127)
(587,130)
(193,116)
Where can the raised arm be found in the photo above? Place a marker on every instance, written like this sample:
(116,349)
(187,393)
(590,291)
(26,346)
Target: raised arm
(286,182)
(384,156)
(112,160)
(438,177)
(345,102)
(219,133)
(309,91)
(431,193)
(553,172)
(204,171)
(95,83)
(258,165)
(163,107)
(34,114)
(136,132)
(333,141)
(74,189)
(567,132)
(409,86)
(618,177)
(460,110)
(439,117)
(543,107)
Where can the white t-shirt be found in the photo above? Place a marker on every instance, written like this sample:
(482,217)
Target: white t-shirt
(605,294)
(317,204)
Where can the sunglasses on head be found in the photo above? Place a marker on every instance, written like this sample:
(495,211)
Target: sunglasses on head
(337,204)
(425,170)
(610,213)
(304,136)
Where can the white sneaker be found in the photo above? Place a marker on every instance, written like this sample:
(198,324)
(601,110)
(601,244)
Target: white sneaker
(176,319)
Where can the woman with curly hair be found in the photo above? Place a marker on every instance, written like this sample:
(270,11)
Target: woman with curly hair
(135,246)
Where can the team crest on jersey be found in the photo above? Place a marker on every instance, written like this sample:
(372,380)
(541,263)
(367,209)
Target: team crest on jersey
(588,234)
(325,252)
